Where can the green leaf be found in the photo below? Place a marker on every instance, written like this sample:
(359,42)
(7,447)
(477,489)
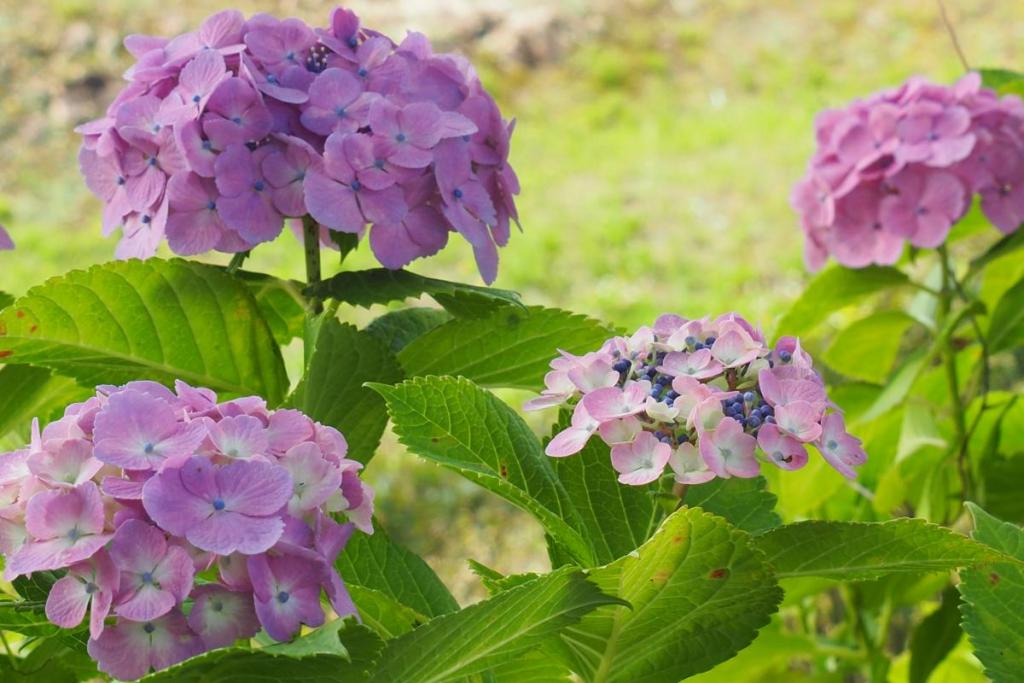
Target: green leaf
(699,593)
(5,300)
(867,349)
(935,637)
(535,667)
(377,562)
(510,348)
(385,615)
(27,392)
(492,632)
(617,518)
(993,600)
(1002,478)
(899,386)
(338,652)
(380,286)
(919,429)
(467,429)
(162,320)
(280,301)
(332,391)
(1000,79)
(745,503)
(1006,329)
(833,289)
(858,551)
(398,328)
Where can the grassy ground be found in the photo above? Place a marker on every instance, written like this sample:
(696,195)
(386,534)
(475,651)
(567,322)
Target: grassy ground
(656,153)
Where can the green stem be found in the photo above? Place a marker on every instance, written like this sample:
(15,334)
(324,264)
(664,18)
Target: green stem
(237,260)
(946,294)
(311,239)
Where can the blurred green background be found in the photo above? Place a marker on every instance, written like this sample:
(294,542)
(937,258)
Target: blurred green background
(657,142)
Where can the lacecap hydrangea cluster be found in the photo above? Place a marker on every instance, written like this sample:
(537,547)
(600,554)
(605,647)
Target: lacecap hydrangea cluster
(181,524)
(224,133)
(702,397)
(903,166)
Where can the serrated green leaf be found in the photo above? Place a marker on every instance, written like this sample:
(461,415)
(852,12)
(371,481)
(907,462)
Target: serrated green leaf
(999,79)
(867,349)
(491,633)
(467,429)
(377,562)
(857,551)
(339,652)
(509,348)
(745,503)
(699,593)
(332,391)
(835,288)
(617,518)
(1006,329)
(27,392)
(993,600)
(162,320)
(935,637)
(380,286)
(280,301)
(397,328)
(385,615)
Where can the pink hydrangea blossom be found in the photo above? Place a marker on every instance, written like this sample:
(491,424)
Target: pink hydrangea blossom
(159,503)
(902,166)
(224,133)
(707,398)
(6,243)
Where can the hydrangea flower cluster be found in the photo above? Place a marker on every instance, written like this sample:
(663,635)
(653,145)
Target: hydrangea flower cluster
(701,397)
(224,133)
(904,164)
(191,523)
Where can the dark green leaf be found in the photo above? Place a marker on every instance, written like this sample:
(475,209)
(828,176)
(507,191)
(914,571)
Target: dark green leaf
(617,518)
(5,300)
(161,320)
(332,391)
(699,593)
(339,652)
(346,242)
(280,301)
(509,348)
(379,563)
(867,349)
(935,637)
(466,429)
(397,328)
(744,502)
(385,615)
(856,551)
(833,289)
(380,286)
(1006,329)
(1002,479)
(993,600)
(27,392)
(491,633)
(1000,79)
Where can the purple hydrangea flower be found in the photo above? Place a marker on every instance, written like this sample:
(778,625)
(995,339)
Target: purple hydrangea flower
(701,397)
(902,165)
(261,107)
(141,489)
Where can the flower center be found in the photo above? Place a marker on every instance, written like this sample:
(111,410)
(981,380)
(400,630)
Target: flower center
(362,72)
(356,186)
(148,448)
(149,628)
(74,535)
(217,606)
(218,504)
(340,111)
(147,578)
(197,99)
(283,597)
(831,445)
(258,186)
(401,137)
(91,588)
(457,193)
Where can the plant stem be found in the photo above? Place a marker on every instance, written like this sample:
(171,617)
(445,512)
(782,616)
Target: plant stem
(311,239)
(237,260)
(946,294)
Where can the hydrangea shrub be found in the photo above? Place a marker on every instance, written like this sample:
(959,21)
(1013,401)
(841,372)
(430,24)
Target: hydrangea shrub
(153,529)
(157,503)
(223,134)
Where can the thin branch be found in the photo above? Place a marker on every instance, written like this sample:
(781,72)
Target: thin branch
(952,35)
